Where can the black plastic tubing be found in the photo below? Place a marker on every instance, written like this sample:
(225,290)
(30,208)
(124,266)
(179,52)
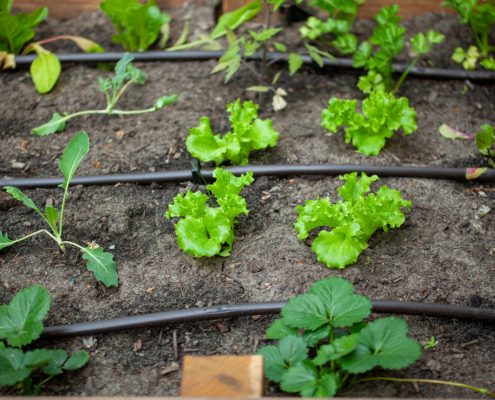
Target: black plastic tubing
(459,174)
(239,310)
(437,73)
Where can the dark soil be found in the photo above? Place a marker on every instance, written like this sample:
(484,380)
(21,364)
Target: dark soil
(444,252)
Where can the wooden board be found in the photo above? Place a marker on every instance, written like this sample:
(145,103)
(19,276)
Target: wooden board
(222,376)
(408,8)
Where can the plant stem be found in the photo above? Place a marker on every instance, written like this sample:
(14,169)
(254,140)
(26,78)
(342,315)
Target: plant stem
(404,75)
(35,234)
(432,381)
(264,66)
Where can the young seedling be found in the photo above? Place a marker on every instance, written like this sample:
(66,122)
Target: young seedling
(484,139)
(98,261)
(21,323)
(113,88)
(431,343)
(341,15)
(138,25)
(204,230)
(353,221)
(248,133)
(17,30)
(326,344)
(382,115)
(386,42)
(480,17)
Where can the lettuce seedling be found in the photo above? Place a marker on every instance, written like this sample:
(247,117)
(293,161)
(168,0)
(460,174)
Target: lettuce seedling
(341,17)
(98,261)
(484,139)
(248,133)
(353,220)
(113,88)
(325,343)
(21,323)
(204,230)
(386,42)
(480,17)
(382,115)
(138,25)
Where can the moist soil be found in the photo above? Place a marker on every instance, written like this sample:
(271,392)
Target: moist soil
(444,253)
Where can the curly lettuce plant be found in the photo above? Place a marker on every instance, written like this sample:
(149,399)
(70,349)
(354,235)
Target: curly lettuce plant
(387,41)
(138,25)
(98,261)
(341,16)
(353,220)
(382,115)
(206,230)
(248,133)
(480,17)
(113,88)
(325,343)
(21,323)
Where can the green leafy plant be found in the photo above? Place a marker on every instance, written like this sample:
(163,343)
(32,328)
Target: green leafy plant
(484,139)
(17,30)
(325,343)
(480,17)
(248,133)
(21,323)
(431,343)
(387,41)
(382,115)
(138,25)
(113,88)
(98,261)
(341,15)
(205,230)
(353,220)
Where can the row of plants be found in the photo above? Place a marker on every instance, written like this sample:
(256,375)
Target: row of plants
(325,341)
(141,25)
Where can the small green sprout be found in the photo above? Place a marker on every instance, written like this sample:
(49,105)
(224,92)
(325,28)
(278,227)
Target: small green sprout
(431,343)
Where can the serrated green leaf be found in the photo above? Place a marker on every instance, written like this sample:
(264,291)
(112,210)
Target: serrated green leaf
(422,43)
(102,265)
(5,241)
(232,20)
(17,30)
(265,34)
(57,359)
(45,71)
(290,351)
(22,197)
(485,139)
(76,361)
(295,63)
(335,350)
(56,124)
(308,382)
(72,156)
(306,311)
(227,183)
(354,187)
(382,343)
(21,320)
(278,329)
(12,369)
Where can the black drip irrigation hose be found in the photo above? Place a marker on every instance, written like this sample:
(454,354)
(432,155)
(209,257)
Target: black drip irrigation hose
(426,72)
(240,310)
(460,174)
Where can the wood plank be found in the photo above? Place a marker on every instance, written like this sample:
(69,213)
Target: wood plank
(222,376)
(408,8)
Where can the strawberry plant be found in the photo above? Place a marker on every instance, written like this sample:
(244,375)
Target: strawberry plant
(484,140)
(382,114)
(205,230)
(341,15)
(325,343)
(17,30)
(480,17)
(98,261)
(113,88)
(248,133)
(353,220)
(138,25)
(21,323)
(387,41)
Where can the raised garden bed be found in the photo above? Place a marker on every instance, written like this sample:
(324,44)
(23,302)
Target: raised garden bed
(444,253)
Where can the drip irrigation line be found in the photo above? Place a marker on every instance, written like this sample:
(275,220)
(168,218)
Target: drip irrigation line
(459,174)
(240,310)
(426,72)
